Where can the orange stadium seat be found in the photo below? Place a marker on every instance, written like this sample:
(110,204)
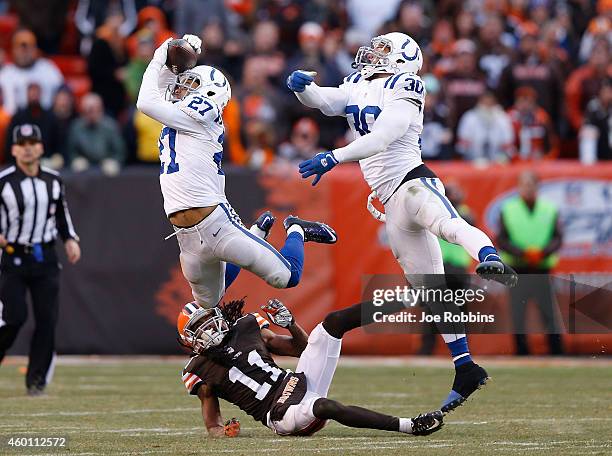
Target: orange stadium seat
(70,65)
(8,24)
(80,85)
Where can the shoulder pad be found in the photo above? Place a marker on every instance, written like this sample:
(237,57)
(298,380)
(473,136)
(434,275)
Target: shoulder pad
(354,77)
(406,86)
(201,108)
(261,321)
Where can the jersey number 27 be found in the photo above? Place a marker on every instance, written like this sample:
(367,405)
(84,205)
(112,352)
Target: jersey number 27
(173,166)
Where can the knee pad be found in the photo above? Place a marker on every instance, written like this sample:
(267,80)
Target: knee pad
(448,228)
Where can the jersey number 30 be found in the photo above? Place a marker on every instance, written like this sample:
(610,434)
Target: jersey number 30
(359,117)
(261,390)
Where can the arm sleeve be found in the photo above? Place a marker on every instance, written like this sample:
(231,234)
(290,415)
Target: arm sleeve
(392,123)
(331,101)
(151,102)
(63,219)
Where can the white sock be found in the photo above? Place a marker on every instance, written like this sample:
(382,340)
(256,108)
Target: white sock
(257,231)
(451,337)
(405,425)
(295,229)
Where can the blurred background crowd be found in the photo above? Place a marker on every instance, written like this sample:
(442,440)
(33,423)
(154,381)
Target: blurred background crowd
(506,80)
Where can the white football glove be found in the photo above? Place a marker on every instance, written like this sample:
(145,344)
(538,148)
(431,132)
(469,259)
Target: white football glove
(278,313)
(375,212)
(161,53)
(196,42)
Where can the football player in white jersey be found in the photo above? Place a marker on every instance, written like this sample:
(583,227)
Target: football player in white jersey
(210,234)
(383,103)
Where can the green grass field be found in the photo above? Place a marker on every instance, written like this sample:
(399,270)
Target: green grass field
(115,407)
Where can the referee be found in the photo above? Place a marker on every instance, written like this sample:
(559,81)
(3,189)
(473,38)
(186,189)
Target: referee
(33,212)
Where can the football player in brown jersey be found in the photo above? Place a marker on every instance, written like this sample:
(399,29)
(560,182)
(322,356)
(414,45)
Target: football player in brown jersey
(232,360)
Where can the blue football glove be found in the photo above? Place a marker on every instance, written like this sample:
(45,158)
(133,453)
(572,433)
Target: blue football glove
(298,80)
(318,165)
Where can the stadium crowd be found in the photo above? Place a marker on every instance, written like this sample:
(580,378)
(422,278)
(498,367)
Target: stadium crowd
(506,80)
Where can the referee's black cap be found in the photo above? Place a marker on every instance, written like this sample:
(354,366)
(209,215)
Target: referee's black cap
(26,133)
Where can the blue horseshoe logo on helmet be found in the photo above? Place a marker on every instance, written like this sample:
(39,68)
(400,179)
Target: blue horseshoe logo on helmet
(407,57)
(212,78)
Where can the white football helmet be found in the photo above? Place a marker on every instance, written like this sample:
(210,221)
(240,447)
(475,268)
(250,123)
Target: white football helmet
(203,79)
(392,53)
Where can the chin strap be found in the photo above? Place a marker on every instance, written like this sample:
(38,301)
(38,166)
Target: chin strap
(380,216)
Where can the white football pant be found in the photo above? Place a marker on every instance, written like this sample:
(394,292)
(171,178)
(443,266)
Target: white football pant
(221,238)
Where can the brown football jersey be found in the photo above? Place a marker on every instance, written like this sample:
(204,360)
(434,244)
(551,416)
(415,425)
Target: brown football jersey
(242,371)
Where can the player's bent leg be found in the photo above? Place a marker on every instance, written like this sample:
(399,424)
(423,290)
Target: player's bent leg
(235,244)
(418,252)
(425,199)
(359,417)
(319,360)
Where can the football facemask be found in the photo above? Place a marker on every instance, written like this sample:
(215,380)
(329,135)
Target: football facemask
(186,83)
(205,329)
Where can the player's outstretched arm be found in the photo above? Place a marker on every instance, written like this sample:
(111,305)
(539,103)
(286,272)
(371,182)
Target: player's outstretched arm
(278,344)
(331,101)
(151,101)
(392,124)
(211,413)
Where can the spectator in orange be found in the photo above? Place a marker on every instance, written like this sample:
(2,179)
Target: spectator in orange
(5,119)
(441,47)
(303,142)
(153,19)
(534,134)
(105,64)
(585,82)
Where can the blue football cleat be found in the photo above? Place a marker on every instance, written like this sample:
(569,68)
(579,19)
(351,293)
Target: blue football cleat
(265,222)
(498,271)
(467,380)
(313,231)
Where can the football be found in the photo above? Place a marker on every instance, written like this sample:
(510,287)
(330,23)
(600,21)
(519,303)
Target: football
(181,56)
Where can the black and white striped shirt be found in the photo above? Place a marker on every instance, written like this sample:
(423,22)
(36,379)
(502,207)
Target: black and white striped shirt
(33,209)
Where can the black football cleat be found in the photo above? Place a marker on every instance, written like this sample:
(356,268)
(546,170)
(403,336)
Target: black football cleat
(313,231)
(467,380)
(498,271)
(427,423)
(265,222)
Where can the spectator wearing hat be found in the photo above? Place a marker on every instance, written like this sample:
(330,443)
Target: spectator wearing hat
(485,132)
(34,212)
(303,142)
(534,134)
(463,85)
(105,64)
(310,56)
(27,68)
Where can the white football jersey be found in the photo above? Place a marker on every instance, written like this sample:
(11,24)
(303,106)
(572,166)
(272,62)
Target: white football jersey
(366,99)
(190,172)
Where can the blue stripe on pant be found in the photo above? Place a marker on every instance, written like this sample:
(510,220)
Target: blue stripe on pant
(292,253)
(432,186)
